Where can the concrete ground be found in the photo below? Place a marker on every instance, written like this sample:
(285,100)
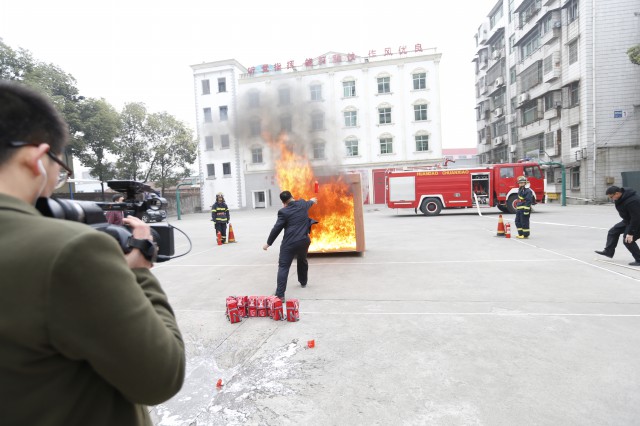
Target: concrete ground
(440,322)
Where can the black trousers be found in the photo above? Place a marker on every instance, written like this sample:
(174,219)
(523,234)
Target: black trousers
(222,227)
(297,249)
(522,222)
(612,241)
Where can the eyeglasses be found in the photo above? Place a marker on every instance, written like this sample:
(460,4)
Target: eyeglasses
(63,175)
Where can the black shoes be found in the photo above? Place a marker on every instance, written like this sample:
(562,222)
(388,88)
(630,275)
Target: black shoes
(636,263)
(303,285)
(604,253)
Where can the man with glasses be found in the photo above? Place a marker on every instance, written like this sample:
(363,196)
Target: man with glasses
(627,202)
(87,335)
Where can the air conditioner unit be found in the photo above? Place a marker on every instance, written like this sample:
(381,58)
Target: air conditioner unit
(513,148)
(523,98)
(557,24)
(496,54)
(498,140)
(499,81)
(498,112)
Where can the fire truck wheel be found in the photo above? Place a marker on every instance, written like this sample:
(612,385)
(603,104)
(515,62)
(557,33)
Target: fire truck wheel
(503,209)
(511,203)
(431,207)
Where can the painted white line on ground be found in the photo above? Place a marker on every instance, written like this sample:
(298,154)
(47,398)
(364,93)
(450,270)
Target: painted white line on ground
(425,262)
(484,314)
(551,223)
(633,268)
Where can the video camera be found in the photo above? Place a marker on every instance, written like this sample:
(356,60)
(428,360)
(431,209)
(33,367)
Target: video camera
(140,200)
(93,215)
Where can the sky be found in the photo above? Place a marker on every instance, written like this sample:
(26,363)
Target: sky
(141,50)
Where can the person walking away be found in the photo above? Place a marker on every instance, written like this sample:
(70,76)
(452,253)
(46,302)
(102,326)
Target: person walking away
(87,335)
(627,202)
(523,208)
(220,215)
(294,219)
(115,217)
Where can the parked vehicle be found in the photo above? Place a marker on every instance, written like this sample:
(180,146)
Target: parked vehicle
(486,186)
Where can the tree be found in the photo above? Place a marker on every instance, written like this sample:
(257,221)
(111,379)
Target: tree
(98,127)
(132,147)
(634,54)
(173,150)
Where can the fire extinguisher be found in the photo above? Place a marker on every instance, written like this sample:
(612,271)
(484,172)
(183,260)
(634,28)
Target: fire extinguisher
(316,187)
(219,238)
(507,230)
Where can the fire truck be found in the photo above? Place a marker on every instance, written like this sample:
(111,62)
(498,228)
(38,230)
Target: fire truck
(484,186)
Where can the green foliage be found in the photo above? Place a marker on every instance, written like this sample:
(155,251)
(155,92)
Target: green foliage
(634,54)
(173,150)
(132,148)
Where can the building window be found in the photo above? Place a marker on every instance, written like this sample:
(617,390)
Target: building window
(207,115)
(420,112)
(286,124)
(224,113)
(512,75)
(349,89)
(208,143)
(350,118)
(386,145)
(422,143)
(512,43)
(211,170)
(530,44)
(384,115)
(205,87)
(573,10)
(352,147)
(549,140)
(575,178)
(284,96)
(420,81)
(226,169)
(493,19)
(254,127)
(575,136)
(254,99)
(256,155)
(574,94)
(384,84)
(573,52)
(318,150)
(317,121)
(316,92)
(530,112)
(222,84)
(224,141)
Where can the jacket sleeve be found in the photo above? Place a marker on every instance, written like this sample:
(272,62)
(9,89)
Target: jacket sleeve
(213,212)
(633,227)
(277,228)
(228,214)
(116,319)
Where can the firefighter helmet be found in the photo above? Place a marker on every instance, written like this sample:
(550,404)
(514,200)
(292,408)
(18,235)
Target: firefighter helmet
(522,179)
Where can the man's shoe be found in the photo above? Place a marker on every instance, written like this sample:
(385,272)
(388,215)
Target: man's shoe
(636,263)
(521,237)
(604,253)
(303,285)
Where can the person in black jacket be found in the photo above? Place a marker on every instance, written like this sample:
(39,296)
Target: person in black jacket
(294,219)
(627,202)
(220,215)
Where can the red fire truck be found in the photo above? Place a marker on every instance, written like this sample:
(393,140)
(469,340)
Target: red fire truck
(484,186)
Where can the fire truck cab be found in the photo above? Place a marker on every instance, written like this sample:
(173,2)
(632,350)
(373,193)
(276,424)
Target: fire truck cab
(485,186)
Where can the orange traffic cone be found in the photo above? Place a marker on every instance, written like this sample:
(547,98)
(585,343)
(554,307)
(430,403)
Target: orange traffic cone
(500,227)
(232,238)
(507,232)
(219,238)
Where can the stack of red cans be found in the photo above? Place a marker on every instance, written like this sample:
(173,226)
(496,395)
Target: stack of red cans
(239,307)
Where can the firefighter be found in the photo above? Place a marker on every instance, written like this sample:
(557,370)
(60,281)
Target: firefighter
(220,215)
(523,208)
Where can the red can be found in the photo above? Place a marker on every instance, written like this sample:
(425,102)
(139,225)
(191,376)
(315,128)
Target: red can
(232,310)
(253,304)
(243,301)
(261,306)
(293,313)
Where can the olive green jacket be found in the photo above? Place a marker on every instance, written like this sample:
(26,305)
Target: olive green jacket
(84,340)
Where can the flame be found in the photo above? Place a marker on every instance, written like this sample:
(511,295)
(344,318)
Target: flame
(336,230)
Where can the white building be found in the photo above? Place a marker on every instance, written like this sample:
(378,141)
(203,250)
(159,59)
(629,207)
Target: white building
(554,83)
(343,112)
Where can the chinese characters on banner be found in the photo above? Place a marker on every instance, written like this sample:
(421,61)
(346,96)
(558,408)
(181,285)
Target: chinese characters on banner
(336,58)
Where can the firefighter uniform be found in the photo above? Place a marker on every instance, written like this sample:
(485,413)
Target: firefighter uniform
(523,208)
(220,215)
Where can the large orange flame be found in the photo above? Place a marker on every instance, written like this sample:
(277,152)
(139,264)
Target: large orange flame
(336,230)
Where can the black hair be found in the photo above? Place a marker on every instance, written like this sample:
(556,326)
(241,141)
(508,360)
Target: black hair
(116,196)
(285,196)
(28,116)
(613,190)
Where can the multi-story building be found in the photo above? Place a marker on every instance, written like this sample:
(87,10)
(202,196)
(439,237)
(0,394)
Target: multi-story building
(554,83)
(343,112)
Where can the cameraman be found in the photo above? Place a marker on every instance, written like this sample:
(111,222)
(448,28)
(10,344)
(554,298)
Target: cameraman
(87,335)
